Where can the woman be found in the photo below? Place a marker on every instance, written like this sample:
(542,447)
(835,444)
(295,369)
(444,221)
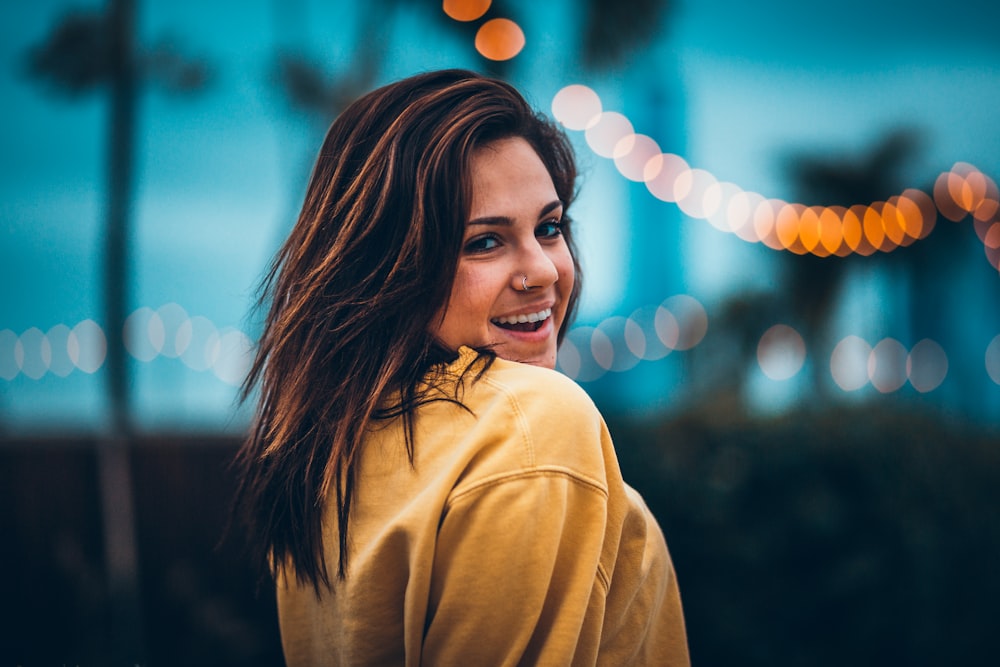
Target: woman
(423,486)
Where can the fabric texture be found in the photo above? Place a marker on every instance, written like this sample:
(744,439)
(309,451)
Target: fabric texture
(511,540)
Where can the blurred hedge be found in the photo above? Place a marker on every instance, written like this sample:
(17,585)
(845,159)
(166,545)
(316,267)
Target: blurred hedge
(861,537)
(864,536)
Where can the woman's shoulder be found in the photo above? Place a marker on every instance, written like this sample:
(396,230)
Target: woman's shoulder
(550,391)
(525,417)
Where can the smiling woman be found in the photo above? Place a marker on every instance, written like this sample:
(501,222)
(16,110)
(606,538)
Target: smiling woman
(411,431)
(515,274)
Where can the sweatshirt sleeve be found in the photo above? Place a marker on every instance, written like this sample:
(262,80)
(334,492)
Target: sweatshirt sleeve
(516,573)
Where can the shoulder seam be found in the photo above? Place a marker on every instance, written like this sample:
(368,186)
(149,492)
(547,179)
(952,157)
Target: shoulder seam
(542,471)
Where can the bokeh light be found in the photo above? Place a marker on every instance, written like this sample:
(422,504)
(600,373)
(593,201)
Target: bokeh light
(781,352)
(993,359)
(691,188)
(465,10)
(887,365)
(164,326)
(197,335)
(499,39)
(604,134)
(849,363)
(576,107)
(165,332)
(690,317)
(615,330)
(661,174)
(139,334)
(642,333)
(32,353)
(58,339)
(835,230)
(582,366)
(632,153)
(926,366)
(87,346)
(231,352)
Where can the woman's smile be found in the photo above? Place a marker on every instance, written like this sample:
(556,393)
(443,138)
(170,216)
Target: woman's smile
(529,322)
(515,273)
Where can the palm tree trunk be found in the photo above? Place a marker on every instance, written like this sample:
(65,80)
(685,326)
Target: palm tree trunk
(114,467)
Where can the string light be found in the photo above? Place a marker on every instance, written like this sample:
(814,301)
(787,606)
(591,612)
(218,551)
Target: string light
(650,333)
(167,332)
(499,39)
(496,39)
(465,10)
(823,231)
(615,345)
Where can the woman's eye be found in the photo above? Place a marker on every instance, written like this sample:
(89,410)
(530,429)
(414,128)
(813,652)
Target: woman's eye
(550,229)
(482,244)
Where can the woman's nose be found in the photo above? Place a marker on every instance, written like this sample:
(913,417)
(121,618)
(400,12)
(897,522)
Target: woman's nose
(535,269)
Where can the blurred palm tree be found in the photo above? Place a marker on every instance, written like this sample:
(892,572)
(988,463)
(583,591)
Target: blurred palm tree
(96,51)
(809,286)
(811,283)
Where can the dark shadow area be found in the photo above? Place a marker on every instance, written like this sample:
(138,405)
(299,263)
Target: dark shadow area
(862,536)
(200,605)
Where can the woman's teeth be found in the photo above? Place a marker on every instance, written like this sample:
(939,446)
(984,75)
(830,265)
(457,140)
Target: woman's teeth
(524,318)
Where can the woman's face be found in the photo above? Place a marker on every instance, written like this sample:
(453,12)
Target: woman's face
(515,230)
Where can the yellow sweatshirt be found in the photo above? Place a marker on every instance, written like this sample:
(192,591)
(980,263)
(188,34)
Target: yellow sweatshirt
(512,540)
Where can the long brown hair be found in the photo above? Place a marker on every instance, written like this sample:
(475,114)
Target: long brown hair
(352,294)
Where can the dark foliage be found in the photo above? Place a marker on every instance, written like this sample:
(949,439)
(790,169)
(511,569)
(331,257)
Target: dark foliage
(861,537)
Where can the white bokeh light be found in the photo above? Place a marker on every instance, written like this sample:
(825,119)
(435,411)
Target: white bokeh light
(604,135)
(887,365)
(926,366)
(632,153)
(231,351)
(581,339)
(60,364)
(661,174)
(576,107)
(691,319)
(139,334)
(172,317)
(781,352)
(194,336)
(993,359)
(32,353)
(87,346)
(643,336)
(849,363)
(622,357)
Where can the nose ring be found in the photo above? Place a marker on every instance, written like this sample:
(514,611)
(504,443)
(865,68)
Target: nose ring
(524,284)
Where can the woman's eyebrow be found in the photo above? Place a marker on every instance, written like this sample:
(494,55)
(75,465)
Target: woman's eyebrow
(502,220)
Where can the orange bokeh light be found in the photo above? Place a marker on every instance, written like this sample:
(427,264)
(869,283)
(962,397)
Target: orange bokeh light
(499,39)
(943,197)
(465,10)
(853,230)
(872,223)
(892,223)
(831,230)
(928,212)
(809,229)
